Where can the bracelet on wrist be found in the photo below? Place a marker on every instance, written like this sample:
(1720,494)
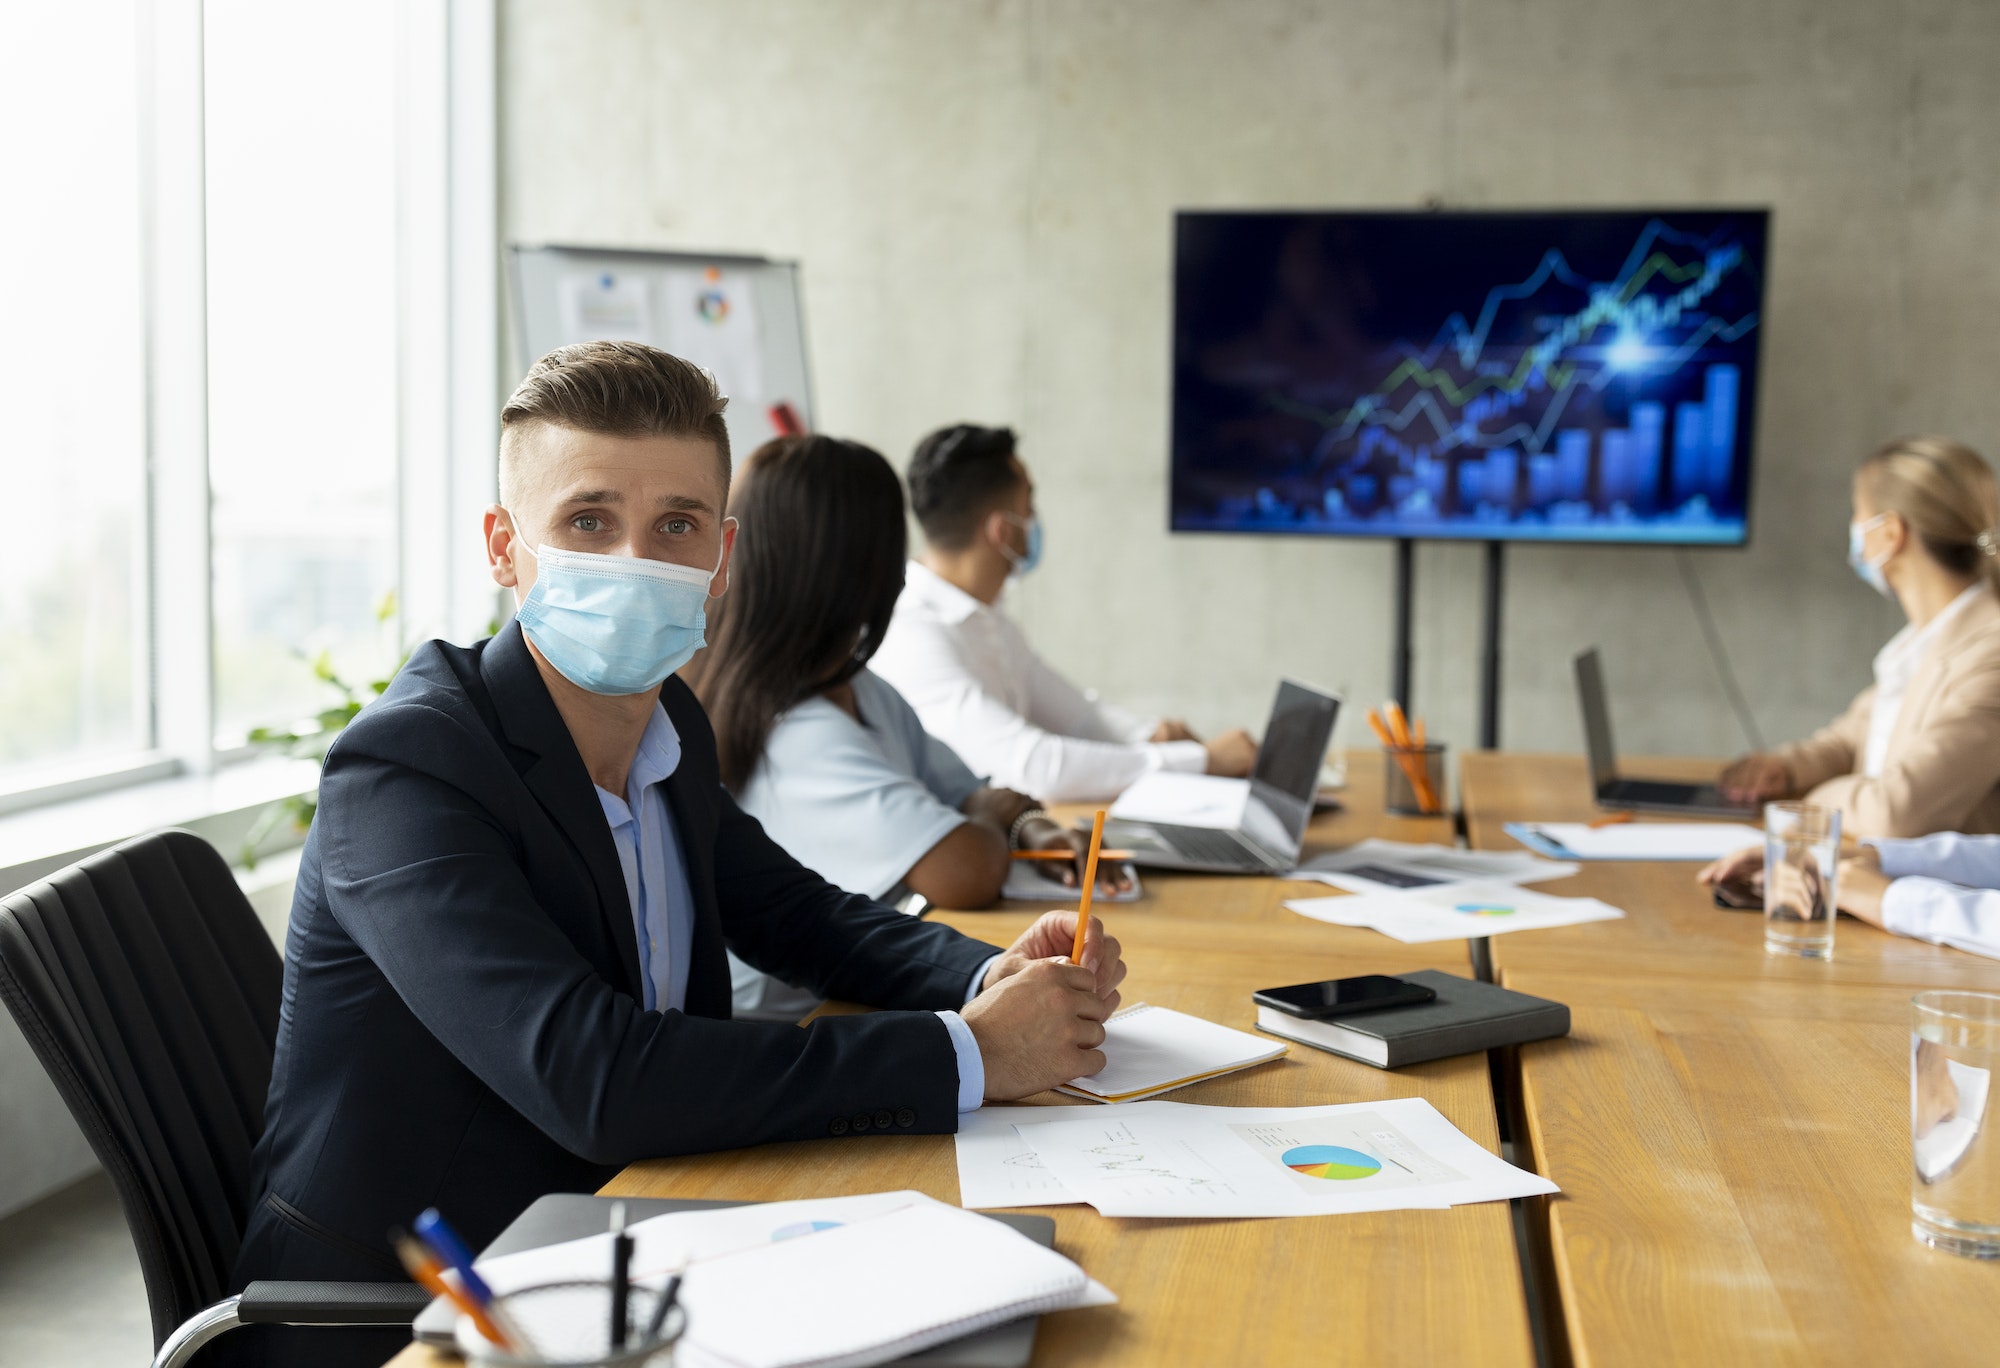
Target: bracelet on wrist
(1020,824)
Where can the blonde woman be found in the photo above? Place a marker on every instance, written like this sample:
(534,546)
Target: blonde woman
(1919,752)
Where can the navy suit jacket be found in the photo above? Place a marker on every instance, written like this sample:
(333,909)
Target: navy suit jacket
(462,1026)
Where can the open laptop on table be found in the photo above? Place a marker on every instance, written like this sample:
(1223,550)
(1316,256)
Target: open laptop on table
(1615,791)
(1234,826)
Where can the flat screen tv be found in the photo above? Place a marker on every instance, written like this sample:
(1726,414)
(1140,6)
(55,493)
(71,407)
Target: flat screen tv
(1550,376)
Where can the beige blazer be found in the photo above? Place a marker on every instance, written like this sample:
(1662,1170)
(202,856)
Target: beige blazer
(1942,770)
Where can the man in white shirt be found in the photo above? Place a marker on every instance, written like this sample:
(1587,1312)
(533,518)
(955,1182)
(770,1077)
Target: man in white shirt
(970,673)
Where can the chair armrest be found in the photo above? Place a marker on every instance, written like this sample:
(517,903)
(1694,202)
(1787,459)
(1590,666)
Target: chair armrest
(331,1303)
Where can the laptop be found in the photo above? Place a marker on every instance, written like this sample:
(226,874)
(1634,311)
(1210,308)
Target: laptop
(1253,826)
(1615,791)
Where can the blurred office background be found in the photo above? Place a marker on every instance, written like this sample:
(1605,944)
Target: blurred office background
(256,335)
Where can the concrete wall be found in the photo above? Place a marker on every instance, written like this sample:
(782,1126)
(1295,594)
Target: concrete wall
(981,195)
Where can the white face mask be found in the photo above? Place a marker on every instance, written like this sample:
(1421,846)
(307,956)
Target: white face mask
(1870,571)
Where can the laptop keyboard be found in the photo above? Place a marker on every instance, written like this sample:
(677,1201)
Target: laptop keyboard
(1645,791)
(1208,847)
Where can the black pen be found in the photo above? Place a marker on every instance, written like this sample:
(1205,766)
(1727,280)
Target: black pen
(667,1296)
(621,1275)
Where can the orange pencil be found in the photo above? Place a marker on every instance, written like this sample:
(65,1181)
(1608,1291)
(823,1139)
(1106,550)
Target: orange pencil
(1615,819)
(1431,803)
(1413,767)
(1069,854)
(1089,884)
(1399,726)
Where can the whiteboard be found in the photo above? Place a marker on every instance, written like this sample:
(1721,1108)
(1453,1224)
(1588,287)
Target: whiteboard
(738,317)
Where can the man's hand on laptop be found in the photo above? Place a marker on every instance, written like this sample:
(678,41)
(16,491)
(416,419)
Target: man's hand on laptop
(1172,729)
(1754,778)
(1232,754)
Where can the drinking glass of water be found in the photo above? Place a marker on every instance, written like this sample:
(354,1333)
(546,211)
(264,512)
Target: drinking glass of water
(1801,852)
(1955,1179)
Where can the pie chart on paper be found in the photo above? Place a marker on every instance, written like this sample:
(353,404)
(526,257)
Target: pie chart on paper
(1331,1161)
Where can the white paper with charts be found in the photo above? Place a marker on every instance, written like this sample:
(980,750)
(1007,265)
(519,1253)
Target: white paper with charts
(1177,1160)
(998,1169)
(1454,911)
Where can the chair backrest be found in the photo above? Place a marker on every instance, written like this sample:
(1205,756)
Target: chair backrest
(149,990)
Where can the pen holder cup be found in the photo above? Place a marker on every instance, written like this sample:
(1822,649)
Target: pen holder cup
(1413,780)
(568,1325)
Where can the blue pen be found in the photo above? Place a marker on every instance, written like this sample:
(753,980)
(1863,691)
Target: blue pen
(431,1228)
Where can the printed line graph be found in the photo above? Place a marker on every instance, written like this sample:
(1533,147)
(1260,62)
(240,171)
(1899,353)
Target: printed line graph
(1601,392)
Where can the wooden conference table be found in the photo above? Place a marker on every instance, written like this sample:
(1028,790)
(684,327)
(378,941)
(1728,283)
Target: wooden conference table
(1411,1287)
(1730,1131)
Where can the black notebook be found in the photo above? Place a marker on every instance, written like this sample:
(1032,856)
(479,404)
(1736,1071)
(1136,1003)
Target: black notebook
(1467,1015)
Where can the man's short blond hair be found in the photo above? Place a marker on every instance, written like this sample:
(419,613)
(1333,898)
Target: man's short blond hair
(618,389)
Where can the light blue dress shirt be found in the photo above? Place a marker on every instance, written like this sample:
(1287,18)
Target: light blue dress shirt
(656,887)
(1944,890)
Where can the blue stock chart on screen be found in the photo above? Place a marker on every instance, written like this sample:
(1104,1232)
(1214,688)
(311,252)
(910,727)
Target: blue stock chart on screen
(1568,376)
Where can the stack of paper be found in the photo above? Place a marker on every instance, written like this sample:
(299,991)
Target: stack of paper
(1635,840)
(858,1280)
(1454,911)
(1150,1050)
(1372,865)
(1168,1159)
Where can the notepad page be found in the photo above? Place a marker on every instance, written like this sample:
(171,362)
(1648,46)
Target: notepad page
(1149,1049)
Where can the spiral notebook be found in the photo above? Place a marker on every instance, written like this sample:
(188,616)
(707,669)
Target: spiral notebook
(859,1280)
(1150,1050)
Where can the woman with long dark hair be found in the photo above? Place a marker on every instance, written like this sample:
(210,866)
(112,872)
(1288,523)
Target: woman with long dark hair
(826,755)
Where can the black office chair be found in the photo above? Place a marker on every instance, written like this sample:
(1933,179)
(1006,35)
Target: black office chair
(149,991)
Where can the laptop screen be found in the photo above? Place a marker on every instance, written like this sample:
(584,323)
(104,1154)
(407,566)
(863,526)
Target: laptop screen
(1596,720)
(1289,760)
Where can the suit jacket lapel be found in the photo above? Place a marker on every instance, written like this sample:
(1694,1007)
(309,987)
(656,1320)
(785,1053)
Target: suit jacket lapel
(560,783)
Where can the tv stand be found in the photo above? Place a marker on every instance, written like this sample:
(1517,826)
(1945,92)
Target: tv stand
(1400,652)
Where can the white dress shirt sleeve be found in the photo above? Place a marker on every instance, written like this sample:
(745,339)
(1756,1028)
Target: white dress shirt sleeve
(1943,890)
(1944,913)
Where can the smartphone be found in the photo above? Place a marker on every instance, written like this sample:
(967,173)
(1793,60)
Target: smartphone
(1739,896)
(1343,997)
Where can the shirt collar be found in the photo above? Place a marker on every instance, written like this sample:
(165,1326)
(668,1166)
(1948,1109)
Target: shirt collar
(1898,658)
(659,753)
(951,603)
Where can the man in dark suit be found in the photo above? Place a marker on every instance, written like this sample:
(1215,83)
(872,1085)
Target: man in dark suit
(505,973)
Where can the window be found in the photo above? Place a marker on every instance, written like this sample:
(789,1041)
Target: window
(248,367)
(74,662)
(302,349)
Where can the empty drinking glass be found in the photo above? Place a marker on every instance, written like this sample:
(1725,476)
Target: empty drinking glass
(1801,851)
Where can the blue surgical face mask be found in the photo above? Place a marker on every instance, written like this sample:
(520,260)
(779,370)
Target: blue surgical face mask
(615,624)
(1027,560)
(1870,571)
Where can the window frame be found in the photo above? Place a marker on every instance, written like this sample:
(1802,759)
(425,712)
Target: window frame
(447,368)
